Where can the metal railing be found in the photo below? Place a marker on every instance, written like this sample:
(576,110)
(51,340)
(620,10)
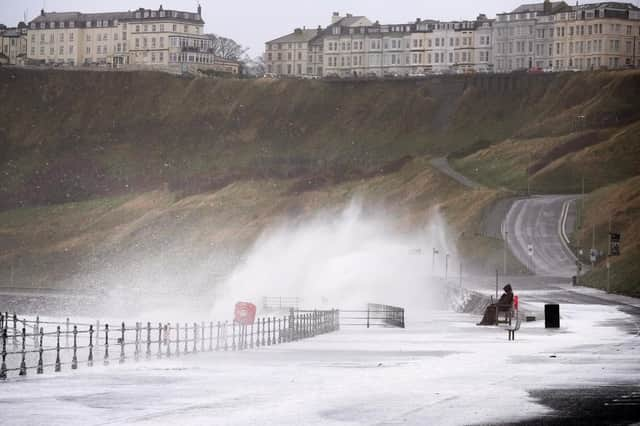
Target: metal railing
(281,303)
(374,316)
(33,344)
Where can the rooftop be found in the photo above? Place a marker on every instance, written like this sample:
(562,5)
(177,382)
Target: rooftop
(138,14)
(298,36)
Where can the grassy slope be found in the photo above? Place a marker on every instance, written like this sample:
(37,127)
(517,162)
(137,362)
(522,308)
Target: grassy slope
(606,156)
(180,169)
(157,236)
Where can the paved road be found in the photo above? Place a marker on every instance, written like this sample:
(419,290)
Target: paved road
(536,224)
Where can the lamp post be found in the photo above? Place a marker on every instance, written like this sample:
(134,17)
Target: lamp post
(433,261)
(446,267)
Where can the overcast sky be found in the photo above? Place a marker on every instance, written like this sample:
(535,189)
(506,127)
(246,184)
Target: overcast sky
(251,23)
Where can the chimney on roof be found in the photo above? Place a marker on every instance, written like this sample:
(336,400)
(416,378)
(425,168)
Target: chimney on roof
(42,12)
(319,29)
(199,10)
(297,31)
(547,7)
(349,15)
(335,17)
(418,20)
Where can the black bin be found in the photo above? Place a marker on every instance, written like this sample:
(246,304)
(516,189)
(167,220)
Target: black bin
(552,316)
(574,280)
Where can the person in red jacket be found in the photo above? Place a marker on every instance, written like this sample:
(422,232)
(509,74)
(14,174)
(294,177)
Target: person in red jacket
(505,303)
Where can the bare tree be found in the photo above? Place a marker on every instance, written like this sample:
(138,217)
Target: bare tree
(226,48)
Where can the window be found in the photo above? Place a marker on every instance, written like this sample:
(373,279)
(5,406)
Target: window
(153,28)
(61,37)
(137,28)
(71,37)
(175,28)
(70,50)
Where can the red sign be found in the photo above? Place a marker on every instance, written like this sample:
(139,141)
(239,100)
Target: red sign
(515,302)
(245,313)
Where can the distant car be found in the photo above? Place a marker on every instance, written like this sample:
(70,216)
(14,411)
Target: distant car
(417,74)
(269,75)
(535,70)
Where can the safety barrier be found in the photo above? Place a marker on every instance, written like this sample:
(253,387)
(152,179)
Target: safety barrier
(374,316)
(34,344)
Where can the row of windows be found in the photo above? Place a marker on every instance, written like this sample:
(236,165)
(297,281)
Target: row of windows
(146,44)
(415,58)
(160,28)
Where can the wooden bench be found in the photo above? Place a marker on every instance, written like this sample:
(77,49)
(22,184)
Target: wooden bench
(511,329)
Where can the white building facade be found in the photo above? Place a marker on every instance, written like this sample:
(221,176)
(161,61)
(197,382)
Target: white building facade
(549,36)
(146,38)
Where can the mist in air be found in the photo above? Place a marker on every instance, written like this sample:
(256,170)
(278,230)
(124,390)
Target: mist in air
(342,260)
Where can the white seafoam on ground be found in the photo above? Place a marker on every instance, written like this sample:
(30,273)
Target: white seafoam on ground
(342,261)
(441,371)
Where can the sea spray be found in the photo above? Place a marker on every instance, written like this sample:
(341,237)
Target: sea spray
(343,260)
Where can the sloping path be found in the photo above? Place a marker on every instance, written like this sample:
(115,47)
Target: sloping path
(442,164)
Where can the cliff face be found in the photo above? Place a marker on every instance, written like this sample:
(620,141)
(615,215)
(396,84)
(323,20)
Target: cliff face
(69,136)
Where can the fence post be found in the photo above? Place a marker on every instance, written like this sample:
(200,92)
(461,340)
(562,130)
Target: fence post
(195,337)
(40,369)
(37,329)
(23,363)
(233,334)
(218,338)
(251,337)
(337,320)
(177,339)
(74,360)
(122,330)
(159,354)
(15,330)
(167,336)
(35,335)
(148,340)
(258,333)
(269,331)
(186,338)
(211,336)
(202,340)
(66,333)
(106,344)
(224,333)
(367,316)
(57,367)
(3,367)
(90,360)
(279,330)
(273,337)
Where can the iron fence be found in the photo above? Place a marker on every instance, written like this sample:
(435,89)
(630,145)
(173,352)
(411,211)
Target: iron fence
(34,344)
(374,316)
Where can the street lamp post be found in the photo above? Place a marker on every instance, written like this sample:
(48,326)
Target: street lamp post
(446,267)
(433,262)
